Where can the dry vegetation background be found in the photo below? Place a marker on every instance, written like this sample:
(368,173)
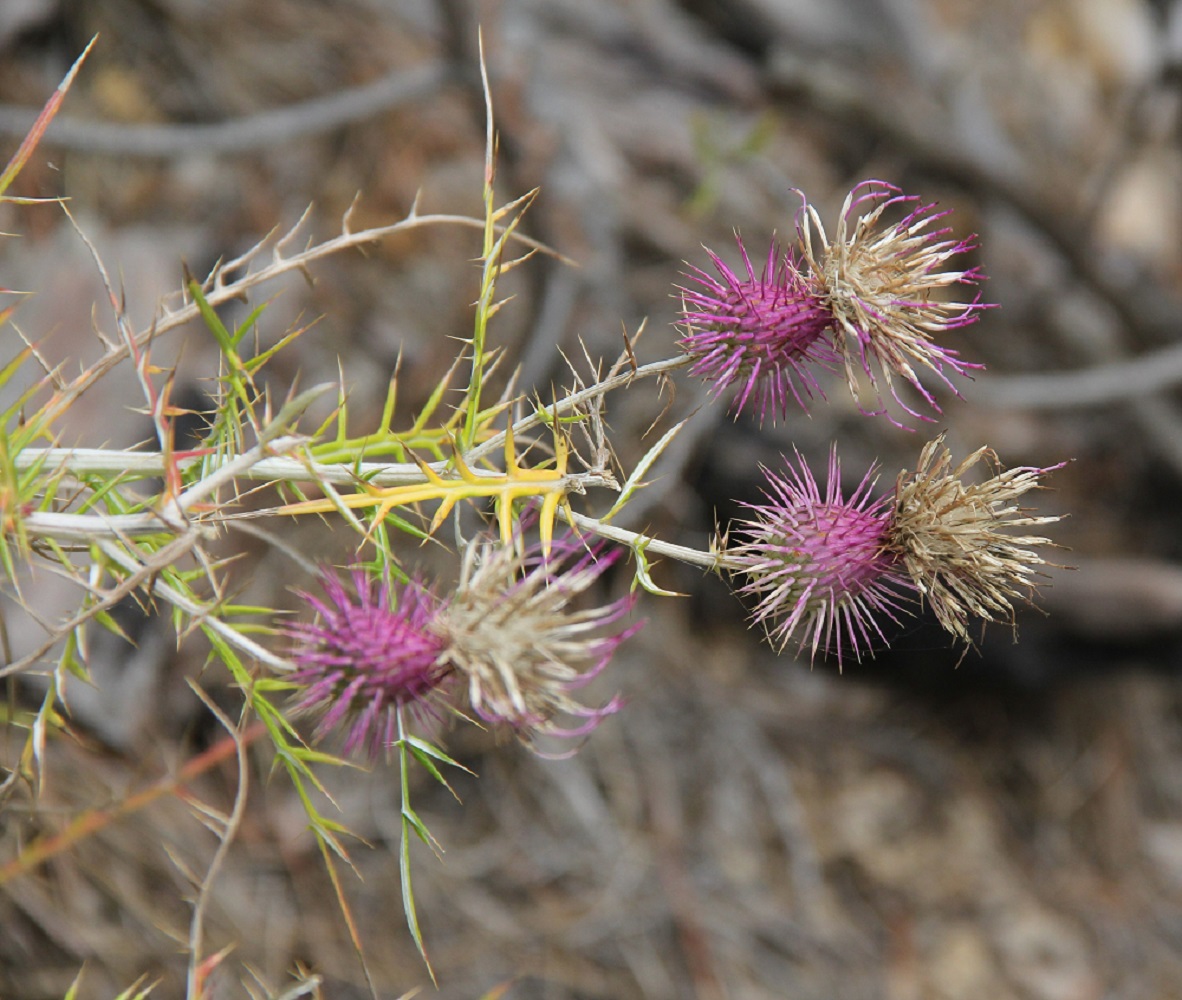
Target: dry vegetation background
(1009,827)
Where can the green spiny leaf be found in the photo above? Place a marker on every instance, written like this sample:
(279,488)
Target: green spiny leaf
(644,577)
(635,480)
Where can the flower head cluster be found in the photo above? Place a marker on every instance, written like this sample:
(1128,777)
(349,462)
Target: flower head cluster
(511,635)
(364,657)
(507,632)
(820,565)
(871,301)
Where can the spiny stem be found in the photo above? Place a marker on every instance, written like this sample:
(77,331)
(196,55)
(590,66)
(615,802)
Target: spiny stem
(491,258)
(568,404)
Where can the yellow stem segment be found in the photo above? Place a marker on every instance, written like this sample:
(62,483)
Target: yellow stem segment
(515,483)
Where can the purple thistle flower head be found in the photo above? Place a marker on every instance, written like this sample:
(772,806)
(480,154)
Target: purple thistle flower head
(366,656)
(758,333)
(524,653)
(818,564)
(883,285)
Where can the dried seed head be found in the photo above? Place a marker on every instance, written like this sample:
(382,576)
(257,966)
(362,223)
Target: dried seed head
(759,333)
(365,657)
(955,538)
(818,565)
(509,632)
(881,281)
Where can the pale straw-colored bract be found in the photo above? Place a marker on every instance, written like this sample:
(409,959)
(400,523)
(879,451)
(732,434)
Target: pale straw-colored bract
(885,285)
(957,539)
(511,635)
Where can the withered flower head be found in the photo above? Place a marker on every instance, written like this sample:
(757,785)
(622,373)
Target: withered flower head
(819,565)
(884,283)
(758,333)
(509,632)
(366,656)
(956,539)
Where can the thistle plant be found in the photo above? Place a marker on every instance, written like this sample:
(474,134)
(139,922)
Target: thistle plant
(868,301)
(820,565)
(381,664)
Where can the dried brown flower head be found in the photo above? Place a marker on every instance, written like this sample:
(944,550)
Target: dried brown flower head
(884,285)
(955,537)
(509,632)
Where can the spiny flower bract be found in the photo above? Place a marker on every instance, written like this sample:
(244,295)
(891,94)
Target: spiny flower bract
(818,564)
(364,657)
(510,634)
(956,539)
(757,333)
(882,282)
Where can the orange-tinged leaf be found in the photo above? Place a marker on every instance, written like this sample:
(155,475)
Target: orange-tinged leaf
(29,143)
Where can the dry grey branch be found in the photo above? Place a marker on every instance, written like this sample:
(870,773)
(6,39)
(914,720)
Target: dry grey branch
(259,131)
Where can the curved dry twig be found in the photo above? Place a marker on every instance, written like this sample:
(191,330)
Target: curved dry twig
(240,135)
(220,289)
(229,829)
(1120,381)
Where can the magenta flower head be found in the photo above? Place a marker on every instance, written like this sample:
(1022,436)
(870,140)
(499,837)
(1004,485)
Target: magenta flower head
(819,565)
(758,333)
(364,657)
(884,285)
(510,632)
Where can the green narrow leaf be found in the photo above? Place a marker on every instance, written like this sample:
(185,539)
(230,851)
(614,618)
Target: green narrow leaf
(247,323)
(420,828)
(408,898)
(72,660)
(13,366)
(72,992)
(257,362)
(430,767)
(644,577)
(106,621)
(433,751)
(130,994)
(212,321)
(409,819)
(635,480)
